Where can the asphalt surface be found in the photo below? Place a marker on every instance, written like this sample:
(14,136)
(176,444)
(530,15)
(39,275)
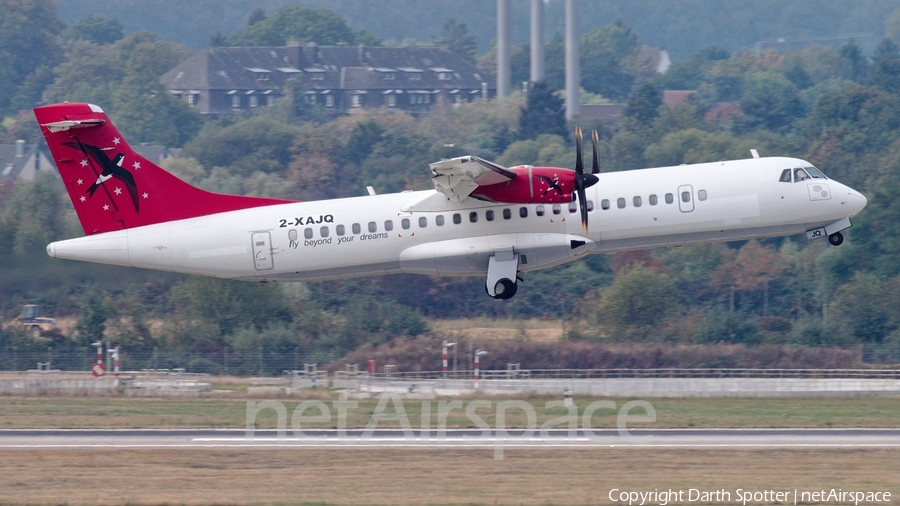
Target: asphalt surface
(468,438)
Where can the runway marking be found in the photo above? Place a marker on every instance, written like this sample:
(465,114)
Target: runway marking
(444,445)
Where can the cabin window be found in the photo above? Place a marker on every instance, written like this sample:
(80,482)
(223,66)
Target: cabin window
(653,200)
(604,204)
(523,212)
(590,205)
(292,234)
(685,196)
(785,176)
(389,225)
(405,223)
(356,228)
(473,217)
(323,231)
(573,207)
(701,195)
(439,220)
(636,201)
(620,203)
(489,215)
(340,230)
(308,233)
(423,222)
(373,227)
(556,209)
(670,198)
(539,210)
(507,214)
(457,219)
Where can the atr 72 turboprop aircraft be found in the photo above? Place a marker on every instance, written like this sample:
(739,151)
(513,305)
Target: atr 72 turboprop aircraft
(481,219)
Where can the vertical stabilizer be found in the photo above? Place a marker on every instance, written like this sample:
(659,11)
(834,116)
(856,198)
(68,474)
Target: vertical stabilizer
(114,188)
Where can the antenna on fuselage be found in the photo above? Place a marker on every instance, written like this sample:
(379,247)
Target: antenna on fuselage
(754,153)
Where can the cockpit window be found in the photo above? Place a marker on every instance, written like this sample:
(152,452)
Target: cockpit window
(800,175)
(785,176)
(815,173)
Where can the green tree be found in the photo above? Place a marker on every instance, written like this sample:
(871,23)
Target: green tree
(255,143)
(297,23)
(91,323)
(143,109)
(639,297)
(643,105)
(35,212)
(603,54)
(91,73)
(886,72)
(97,29)
(544,113)
(229,305)
(859,64)
(28,42)
(866,307)
(771,101)
(455,37)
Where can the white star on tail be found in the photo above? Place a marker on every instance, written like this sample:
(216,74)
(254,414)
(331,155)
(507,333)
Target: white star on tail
(118,191)
(105,207)
(137,165)
(80,181)
(84,162)
(116,141)
(145,195)
(82,198)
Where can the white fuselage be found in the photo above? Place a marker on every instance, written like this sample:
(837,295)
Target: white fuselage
(349,237)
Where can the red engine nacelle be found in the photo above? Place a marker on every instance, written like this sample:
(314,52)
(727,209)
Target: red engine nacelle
(532,185)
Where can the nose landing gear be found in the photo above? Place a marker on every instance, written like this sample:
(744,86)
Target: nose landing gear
(836,239)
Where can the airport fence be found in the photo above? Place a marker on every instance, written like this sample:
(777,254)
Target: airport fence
(225,360)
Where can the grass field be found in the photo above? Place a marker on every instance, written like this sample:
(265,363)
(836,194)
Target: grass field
(422,476)
(125,412)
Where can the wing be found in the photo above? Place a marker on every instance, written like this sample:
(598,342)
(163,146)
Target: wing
(458,177)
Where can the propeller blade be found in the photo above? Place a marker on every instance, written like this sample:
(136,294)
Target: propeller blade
(579,165)
(595,140)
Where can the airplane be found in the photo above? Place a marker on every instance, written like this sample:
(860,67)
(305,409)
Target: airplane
(481,219)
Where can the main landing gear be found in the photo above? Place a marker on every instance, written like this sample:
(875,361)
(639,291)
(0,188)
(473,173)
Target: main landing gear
(503,268)
(836,239)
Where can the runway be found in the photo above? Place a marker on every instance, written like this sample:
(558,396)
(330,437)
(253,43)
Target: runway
(467,438)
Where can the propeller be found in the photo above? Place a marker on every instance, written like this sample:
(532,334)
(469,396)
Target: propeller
(582,180)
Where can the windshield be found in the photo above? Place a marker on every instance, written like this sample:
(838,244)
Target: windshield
(815,173)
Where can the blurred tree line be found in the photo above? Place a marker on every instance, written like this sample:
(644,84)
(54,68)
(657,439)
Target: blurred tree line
(836,107)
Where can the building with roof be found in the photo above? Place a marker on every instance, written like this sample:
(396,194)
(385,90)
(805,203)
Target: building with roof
(21,162)
(224,80)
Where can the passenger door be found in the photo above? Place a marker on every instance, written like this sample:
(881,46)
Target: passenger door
(262,251)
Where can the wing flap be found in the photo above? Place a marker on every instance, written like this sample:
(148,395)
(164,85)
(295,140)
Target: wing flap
(458,177)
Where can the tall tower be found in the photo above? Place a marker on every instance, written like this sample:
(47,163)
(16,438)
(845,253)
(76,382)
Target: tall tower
(537,40)
(504,68)
(573,70)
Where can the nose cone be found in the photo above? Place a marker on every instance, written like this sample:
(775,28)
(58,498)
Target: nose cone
(857,201)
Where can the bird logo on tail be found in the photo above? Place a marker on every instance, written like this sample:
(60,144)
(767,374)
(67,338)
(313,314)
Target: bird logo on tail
(112,168)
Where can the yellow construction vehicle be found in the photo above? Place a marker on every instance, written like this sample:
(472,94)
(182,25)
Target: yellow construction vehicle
(32,320)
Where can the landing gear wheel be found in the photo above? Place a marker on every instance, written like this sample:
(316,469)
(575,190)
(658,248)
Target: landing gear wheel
(505,289)
(836,239)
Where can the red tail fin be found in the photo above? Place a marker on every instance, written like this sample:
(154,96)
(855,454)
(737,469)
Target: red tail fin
(114,188)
